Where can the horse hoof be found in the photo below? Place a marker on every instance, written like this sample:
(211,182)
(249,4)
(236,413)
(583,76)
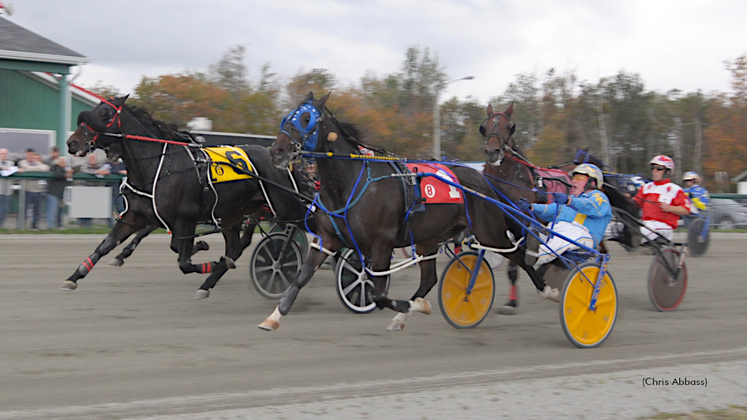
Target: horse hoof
(550,294)
(269,325)
(395,326)
(116,262)
(202,246)
(202,294)
(230,263)
(68,286)
(509,308)
(398,322)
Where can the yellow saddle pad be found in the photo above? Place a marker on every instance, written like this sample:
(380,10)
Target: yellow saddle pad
(228,164)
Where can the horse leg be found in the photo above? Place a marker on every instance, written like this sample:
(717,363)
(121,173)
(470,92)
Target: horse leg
(118,261)
(545,291)
(309,267)
(232,238)
(119,233)
(185,247)
(197,247)
(417,303)
(248,233)
(509,308)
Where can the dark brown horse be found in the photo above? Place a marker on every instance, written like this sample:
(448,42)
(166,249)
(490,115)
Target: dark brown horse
(170,185)
(364,204)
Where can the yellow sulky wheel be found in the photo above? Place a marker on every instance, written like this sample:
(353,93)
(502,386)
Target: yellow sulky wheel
(459,309)
(583,327)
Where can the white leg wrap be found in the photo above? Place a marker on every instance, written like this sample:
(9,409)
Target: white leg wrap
(550,294)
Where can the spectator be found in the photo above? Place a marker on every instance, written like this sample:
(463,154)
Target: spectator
(55,190)
(93,167)
(53,155)
(33,188)
(117,168)
(6,192)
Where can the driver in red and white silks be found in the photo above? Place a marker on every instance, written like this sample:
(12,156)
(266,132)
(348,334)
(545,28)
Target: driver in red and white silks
(582,217)
(662,202)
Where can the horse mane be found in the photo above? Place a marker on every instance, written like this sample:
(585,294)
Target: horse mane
(165,130)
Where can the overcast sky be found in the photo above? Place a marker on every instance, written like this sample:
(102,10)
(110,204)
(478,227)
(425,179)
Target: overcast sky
(671,44)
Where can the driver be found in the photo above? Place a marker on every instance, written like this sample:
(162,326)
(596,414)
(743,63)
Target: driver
(698,195)
(662,202)
(582,217)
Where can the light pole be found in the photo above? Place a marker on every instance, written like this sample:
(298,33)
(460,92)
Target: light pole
(437,117)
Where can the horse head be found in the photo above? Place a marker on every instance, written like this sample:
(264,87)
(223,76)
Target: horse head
(94,124)
(497,129)
(302,130)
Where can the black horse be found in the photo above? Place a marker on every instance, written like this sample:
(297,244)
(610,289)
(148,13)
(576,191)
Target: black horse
(171,184)
(369,206)
(511,173)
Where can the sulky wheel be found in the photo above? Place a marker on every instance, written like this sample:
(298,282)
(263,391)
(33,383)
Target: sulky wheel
(665,291)
(298,235)
(587,328)
(696,243)
(459,309)
(354,288)
(274,265)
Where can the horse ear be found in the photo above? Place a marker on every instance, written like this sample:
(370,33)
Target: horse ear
(510,109)
(490,110)
(309,97)
(323,100)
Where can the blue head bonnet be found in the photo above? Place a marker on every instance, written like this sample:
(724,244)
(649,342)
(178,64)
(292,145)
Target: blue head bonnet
(309,134)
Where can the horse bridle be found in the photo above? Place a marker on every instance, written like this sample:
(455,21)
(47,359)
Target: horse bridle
(495,133)
(309,135)
(86,128)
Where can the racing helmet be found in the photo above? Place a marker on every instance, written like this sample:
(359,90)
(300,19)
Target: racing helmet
(590,170)
(691,176)
(663,160)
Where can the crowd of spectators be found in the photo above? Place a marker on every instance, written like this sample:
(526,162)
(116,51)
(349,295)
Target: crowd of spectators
(47,194)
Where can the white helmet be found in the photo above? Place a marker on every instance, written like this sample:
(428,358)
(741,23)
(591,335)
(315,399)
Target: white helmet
(590,170)
(691,176)
(663,160)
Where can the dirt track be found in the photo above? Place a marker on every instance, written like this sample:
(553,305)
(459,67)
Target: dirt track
(131,343)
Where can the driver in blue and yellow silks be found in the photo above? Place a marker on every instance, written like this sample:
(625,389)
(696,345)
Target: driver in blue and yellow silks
(697,194)
(583,217)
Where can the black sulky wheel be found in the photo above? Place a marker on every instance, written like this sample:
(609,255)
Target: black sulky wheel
(298,235)
(274,265)
(665,291)
(697,245)
(353,286)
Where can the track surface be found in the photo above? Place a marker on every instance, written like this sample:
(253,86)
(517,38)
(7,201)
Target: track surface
(131,343)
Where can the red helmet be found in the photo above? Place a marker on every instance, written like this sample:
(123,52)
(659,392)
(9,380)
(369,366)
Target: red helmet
(664,161)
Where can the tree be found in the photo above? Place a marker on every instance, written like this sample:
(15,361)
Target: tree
(724,137)
(230,73)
